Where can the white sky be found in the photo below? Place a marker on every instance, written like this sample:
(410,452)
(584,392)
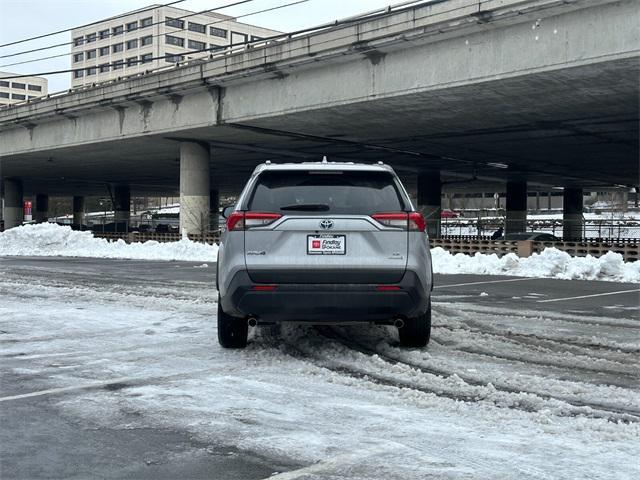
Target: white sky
(21,19)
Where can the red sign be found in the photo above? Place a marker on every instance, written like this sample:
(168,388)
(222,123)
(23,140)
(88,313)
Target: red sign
(27,207)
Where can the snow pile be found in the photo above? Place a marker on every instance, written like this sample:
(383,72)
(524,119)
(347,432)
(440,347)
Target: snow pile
(551,263)
(50,240)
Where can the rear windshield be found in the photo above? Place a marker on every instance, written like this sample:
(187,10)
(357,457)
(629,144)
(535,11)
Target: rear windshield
(305,192)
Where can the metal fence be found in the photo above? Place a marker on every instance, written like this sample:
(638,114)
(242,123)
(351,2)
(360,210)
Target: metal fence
(612,230)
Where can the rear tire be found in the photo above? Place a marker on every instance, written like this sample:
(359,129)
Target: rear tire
(416,331)
(232,331)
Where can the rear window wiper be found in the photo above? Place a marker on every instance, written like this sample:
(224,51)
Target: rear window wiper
(309,207)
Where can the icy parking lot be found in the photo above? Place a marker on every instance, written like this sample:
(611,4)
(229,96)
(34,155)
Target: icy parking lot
(111,368)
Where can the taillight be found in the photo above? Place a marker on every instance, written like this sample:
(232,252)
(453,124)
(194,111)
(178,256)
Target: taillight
(417,222)
(246,220)
(413,221)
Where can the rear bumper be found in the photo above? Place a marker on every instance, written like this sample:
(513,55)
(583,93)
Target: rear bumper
(326,302)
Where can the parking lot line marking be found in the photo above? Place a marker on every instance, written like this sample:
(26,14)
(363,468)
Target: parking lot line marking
(51,391)
(587,296)
(483,282)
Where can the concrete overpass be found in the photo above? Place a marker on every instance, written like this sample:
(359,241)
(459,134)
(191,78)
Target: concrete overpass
(538,93)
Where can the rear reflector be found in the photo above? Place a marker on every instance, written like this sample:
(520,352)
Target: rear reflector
(264,288)
(245,220)
(387,288)
(413,221)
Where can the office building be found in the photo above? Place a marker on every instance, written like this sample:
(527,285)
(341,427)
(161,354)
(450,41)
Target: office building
(147,39)
(14,90)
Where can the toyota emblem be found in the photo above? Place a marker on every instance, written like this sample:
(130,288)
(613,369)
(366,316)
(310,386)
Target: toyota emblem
(326,224)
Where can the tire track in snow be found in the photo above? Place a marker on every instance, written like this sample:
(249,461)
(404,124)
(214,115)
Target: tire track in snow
(610,413)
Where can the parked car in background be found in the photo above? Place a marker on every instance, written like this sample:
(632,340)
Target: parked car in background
(449,214)
(535,236)
(324,243)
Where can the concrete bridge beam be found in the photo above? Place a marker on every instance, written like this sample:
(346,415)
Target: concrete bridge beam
(13,203)
(41,213)
(572,220)
(516,207)
(430,201)
(78,210)
(194,188)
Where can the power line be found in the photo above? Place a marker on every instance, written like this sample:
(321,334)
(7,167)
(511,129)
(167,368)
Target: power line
(211,49)
(111,34)
(346,21)
(179,29)
(88,24)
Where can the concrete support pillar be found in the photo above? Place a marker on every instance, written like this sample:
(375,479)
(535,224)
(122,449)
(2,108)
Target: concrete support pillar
(13,203)
(78,210)
(214,207)
(41,213)
(122,206)
(194,188)
(430,201)
(516,214)
(572,204)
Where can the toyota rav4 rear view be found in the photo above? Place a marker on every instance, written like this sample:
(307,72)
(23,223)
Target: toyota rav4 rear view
(324,243)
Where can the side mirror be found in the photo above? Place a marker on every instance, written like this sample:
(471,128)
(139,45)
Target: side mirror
(226,211)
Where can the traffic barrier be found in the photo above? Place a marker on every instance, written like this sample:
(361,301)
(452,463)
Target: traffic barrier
(525,248)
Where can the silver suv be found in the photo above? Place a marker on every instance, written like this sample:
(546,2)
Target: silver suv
(324,243)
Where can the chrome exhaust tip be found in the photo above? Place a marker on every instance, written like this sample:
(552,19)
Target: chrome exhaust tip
(252,322)
(398,322)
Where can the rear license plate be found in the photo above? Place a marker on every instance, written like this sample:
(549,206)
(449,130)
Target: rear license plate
(326,244)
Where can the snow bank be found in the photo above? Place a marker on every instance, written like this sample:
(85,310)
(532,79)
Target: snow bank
(48,239)
(51,240)
(551,263)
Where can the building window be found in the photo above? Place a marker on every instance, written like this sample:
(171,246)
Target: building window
(18,96)
(78,57)
(132,61)
(174,22)
(91,54)
(132,26)
(102,34)
(35,88)
(78,74)
(117,47)
(146,58)
(20,86)
(174,58)
(218,32)
(117,30)
(238,38)
(4,95)
(197,27)
(91,71)
(148,40)
(78,41)
(104,51)
(171,40)
(118,65)
(197,45)
(132,44)
(91,38)
(146,22)
(4,84)
(104,68)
